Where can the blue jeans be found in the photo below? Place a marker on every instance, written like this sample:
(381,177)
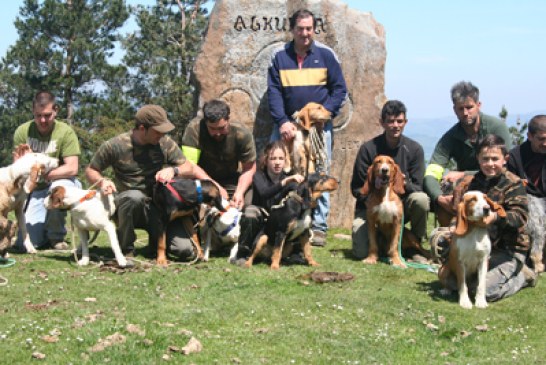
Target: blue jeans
(45,226)
(320,213)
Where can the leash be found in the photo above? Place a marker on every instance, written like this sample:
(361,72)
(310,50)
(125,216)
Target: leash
(5,263)
(318,148)
(412,265)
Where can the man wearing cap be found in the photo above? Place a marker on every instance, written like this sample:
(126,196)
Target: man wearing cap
(138,159)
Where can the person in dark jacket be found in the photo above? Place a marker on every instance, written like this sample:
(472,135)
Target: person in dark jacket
(269,185)
(409,155)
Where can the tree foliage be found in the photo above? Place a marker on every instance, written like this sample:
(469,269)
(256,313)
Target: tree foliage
(64,47)
(160,57)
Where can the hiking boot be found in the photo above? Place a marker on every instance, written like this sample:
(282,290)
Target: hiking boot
(531,277)
(318,238)
(60,246)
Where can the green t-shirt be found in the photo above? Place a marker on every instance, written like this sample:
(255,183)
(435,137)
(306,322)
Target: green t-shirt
(221,159)
(61,143)
(135,165)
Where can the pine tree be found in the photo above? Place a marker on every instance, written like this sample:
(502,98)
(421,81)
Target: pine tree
(161,54)
(64,47)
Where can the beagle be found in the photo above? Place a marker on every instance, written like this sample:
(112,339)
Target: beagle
(90,211)
(470,247)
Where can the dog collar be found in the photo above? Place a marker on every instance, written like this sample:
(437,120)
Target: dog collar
(199,191)
(231,226)
(90,195)
(174,192)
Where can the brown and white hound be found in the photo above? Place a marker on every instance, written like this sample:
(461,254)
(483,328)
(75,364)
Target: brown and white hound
(470,248)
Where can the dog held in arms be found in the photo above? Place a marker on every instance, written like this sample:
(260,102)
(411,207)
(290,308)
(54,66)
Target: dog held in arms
(179,198)
(308,149)
(470,247)
(90,211)
(291,219)
(17,181)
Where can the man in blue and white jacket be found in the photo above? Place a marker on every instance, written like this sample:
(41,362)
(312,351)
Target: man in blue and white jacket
(300,72)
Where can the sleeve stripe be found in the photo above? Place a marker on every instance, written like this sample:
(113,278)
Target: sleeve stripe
(435,171)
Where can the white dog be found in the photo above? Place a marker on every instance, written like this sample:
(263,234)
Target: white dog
(226,227)
(17,181)
(90,211)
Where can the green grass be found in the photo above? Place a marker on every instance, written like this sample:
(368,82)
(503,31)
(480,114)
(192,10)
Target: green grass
(384,316)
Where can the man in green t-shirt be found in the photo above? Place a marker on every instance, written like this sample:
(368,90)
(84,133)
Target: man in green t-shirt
(138,159)
(48,135)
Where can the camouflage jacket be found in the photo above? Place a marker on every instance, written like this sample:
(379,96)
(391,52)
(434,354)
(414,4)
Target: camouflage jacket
(135,165)
(507,189)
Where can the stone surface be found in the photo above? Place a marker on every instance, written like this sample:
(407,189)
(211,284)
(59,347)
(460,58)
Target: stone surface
(235,56)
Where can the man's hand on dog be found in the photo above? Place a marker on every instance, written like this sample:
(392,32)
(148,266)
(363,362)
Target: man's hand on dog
(453,176)
(446,202)
(288,131)
(107,186)
(238,200)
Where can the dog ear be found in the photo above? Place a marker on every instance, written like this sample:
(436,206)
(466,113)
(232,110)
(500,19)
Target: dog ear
(399,181)
(462,224)
(497,208)
(368,184)
(305,119)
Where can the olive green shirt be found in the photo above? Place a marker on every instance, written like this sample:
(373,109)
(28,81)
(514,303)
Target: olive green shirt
(220,160)
(135,165)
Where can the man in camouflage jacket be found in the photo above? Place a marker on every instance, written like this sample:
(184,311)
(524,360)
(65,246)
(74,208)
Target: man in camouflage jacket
(138,159)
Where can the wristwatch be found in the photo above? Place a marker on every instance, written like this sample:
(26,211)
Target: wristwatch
(176,171)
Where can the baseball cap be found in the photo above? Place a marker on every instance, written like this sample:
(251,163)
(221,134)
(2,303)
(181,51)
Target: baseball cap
(155,117)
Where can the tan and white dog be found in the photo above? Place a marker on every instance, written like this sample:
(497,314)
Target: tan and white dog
(470,247)
(225,227)
(17,181)
(308,147)
(90,211)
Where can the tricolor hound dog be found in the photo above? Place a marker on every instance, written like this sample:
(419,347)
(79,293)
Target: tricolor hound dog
(291,219)
(222,227)
(470,248)
(90,211)
(179,198)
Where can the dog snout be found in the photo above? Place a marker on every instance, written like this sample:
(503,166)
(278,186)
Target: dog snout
(486,211)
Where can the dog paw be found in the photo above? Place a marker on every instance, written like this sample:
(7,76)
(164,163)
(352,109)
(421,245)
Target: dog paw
(481,303)
(162,261)
(84,261)
(539,268)
(465,303)
(275,267)
(122,262)
(313,263)
(31,249)
(370,260)
(398,263)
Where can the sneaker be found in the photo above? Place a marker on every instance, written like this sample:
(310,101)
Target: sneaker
(530,275)
(318,238)
(60,246)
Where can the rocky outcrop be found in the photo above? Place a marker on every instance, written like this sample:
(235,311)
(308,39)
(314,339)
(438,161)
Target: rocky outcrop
(234,59)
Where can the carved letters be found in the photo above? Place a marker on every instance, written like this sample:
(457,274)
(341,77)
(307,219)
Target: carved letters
(270,24)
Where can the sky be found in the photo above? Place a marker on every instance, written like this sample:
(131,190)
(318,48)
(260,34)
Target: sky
(498,45)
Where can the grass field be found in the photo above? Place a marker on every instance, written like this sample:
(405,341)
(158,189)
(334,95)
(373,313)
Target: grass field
(50,307)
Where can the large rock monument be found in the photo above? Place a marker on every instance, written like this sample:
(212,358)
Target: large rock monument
(233,63)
